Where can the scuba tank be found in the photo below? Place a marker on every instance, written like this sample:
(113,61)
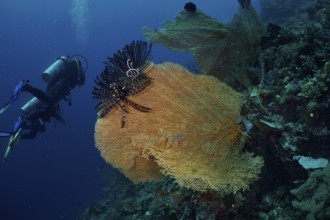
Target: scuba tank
(30,106)
(65,67)
(55,69)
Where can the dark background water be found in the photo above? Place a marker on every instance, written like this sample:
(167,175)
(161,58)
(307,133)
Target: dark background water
(58,174)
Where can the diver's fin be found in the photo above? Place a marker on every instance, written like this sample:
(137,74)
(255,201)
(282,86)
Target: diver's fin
(17,91)
(5,134)
(18,124)
(6,154)
(13,141)
(3,109)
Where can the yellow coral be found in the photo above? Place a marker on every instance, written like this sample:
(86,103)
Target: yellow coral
(190,134)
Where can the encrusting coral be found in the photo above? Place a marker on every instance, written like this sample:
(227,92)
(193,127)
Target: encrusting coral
(191,133)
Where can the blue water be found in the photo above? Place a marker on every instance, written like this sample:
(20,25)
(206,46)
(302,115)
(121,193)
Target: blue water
(58,174)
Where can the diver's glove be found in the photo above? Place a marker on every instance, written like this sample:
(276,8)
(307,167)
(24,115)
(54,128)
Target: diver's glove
(18,90)
(15,136)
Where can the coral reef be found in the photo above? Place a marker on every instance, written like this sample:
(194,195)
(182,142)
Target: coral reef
(191,134)
(313,196)
(291,105)
(166,200)
(286,99)
(295,14)
(295,89)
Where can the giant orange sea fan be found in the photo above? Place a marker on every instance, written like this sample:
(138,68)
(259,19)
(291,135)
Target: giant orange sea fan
(190,134)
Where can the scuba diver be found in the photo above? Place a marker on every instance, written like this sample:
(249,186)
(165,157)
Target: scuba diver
(62,76)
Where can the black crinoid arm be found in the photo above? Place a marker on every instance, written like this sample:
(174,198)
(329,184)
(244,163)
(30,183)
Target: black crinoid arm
(107,91)
(123,76)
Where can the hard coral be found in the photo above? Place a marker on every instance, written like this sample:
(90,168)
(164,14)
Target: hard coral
(312,197)
(190,134)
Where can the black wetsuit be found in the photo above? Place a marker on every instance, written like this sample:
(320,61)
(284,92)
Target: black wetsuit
(34,123)
(56,91)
